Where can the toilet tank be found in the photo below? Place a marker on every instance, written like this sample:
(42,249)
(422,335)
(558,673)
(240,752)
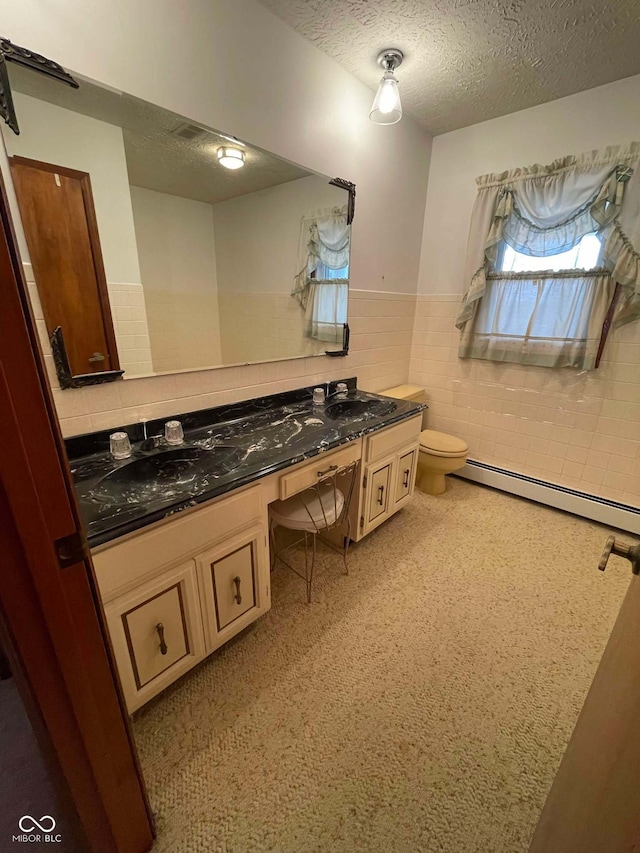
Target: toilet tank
(408,392)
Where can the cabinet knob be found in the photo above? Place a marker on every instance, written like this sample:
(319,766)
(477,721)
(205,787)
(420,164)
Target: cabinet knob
(163,645)
(237,596)
(405,482)
(381,495)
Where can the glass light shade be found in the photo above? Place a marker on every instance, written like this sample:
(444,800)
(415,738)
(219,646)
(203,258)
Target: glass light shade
(231,158)
(386,108)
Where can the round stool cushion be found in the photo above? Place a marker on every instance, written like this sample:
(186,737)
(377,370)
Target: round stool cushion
(442,444)
(320,503)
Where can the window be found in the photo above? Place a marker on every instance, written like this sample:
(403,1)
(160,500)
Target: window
(538,310)
(551,263)
(330,301)
(325,273)
(322,281)
(584,256)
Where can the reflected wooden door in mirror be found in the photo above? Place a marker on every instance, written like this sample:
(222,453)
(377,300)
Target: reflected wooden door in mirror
(56,207)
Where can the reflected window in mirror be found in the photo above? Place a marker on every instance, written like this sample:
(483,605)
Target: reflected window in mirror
(321,284)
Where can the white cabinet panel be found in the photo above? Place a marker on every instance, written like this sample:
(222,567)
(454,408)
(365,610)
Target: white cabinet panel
(234,585)
(157,633)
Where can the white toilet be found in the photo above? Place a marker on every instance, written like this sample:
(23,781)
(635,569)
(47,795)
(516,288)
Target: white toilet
(440,453)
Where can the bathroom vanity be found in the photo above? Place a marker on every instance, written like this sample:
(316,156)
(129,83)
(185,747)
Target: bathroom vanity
(179,536)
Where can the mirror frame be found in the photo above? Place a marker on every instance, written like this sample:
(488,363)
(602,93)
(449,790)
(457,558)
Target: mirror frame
(36,62)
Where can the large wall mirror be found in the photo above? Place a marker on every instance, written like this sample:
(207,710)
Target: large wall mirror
(159,245)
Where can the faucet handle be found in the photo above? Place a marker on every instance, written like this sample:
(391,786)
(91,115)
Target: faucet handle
(342,389)
(318,395)
(173,432)
(119,445)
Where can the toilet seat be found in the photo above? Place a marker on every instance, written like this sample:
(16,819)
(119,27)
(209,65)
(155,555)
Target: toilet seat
(441,444)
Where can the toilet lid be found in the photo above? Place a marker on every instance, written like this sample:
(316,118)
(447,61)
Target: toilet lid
(442,444)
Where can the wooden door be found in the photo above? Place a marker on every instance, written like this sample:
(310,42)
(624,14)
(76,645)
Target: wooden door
(48,597)
(57,212)
(594,803)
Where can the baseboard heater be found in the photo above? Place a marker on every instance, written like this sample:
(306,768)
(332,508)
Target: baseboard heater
(610,513)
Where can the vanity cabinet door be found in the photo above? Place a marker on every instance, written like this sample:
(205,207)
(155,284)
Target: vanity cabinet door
(157,633)
(234,581)
(378,482)
(405,475)
(234,585)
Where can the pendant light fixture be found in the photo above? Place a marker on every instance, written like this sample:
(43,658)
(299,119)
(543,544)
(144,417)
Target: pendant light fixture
(386,108)
(231,158)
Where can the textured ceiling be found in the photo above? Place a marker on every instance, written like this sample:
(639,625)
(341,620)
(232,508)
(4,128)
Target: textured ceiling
(157,159)
(467,61)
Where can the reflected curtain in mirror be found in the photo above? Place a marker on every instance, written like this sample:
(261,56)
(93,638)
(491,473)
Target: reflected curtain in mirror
(322,279)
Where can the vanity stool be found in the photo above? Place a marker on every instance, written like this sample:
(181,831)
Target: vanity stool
(316,511)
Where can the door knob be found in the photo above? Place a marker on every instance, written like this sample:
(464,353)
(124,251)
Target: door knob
(629,552)
(97,356)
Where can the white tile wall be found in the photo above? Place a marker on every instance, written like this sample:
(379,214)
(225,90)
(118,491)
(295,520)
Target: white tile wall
(129,314)
(577,429)
(381,327)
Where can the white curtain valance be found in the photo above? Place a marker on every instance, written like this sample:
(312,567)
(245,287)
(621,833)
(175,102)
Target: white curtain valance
(545,210)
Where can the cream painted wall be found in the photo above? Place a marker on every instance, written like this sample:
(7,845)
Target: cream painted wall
(257,235)
(177,256)
(577,429)
(232,65)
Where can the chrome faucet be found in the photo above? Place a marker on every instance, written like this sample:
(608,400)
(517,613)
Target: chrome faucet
(341,390)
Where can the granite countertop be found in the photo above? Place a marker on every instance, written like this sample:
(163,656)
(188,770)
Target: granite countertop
(224,448)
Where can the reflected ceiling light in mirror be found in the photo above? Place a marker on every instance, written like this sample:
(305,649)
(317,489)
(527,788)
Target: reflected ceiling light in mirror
(386,108)
(231,158)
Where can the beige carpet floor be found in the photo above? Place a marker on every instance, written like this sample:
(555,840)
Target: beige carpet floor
(422,703)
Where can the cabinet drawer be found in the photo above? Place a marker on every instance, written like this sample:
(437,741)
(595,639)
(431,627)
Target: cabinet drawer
(383,443)
(300,479)
(378,487)
(123,566)
(234,578)
(157,633)
(405,475)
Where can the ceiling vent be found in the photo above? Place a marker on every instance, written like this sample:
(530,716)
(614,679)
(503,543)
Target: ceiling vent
(188,131)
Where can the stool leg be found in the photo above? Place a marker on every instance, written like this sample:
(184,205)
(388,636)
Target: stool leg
(309,565)
(347,539)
